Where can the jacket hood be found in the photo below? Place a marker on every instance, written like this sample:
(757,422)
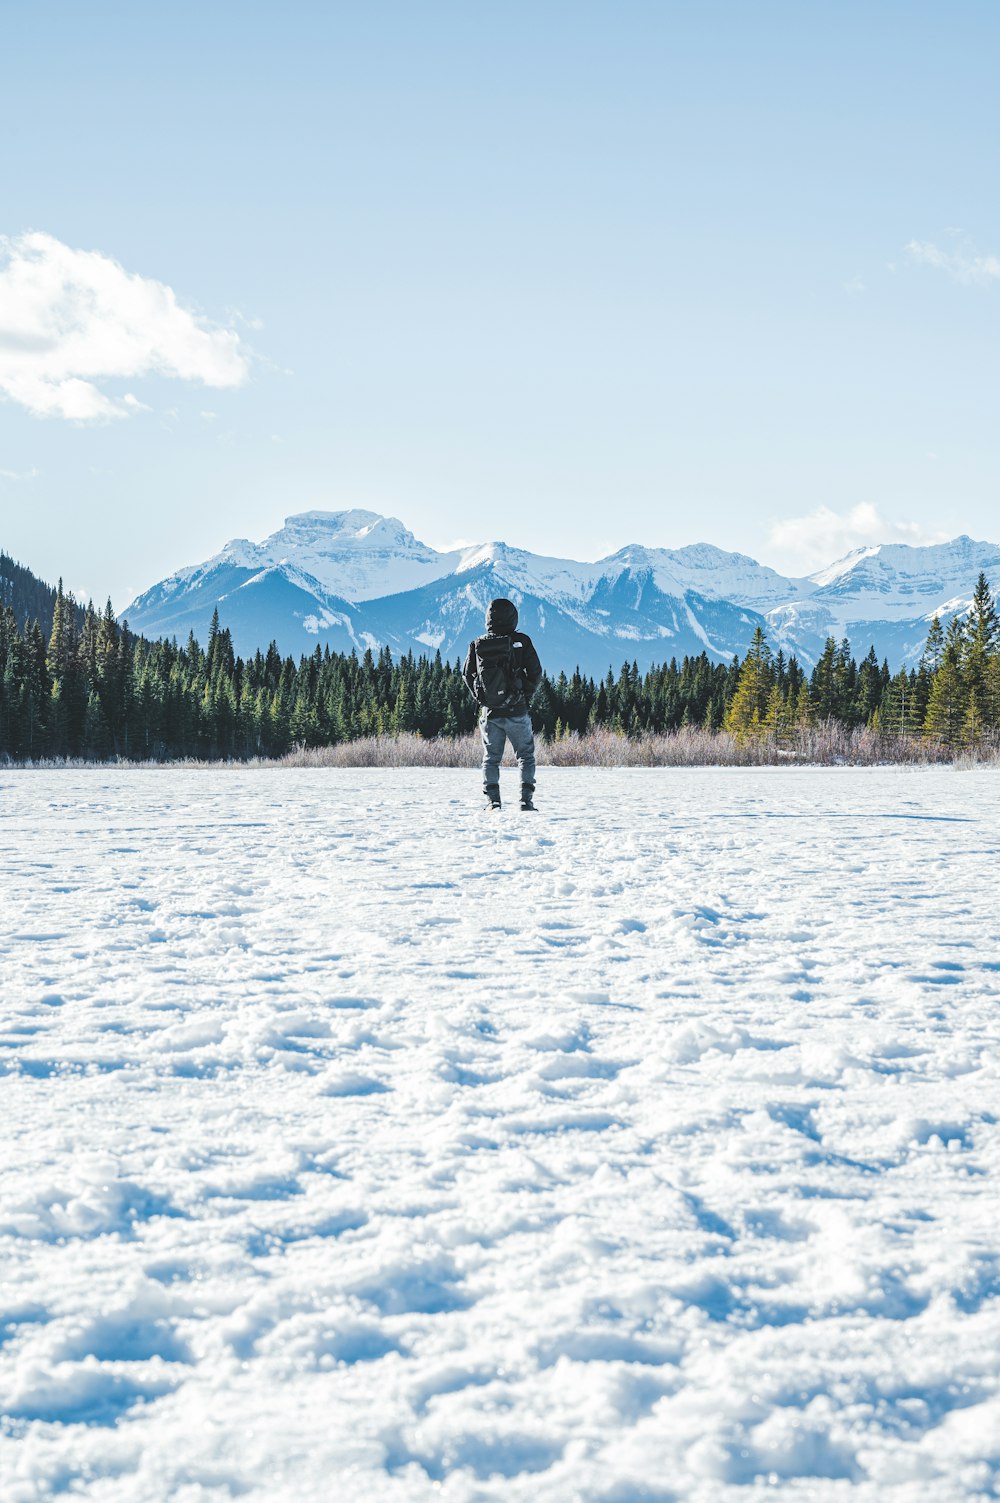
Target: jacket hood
(501,616)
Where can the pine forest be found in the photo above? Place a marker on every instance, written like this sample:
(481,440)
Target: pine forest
(75,683)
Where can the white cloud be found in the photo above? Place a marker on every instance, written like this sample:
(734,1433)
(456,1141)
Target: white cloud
(964,264)
(71,319)
(801,545)
(31,474)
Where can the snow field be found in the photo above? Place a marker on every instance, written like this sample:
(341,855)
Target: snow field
(361,1145)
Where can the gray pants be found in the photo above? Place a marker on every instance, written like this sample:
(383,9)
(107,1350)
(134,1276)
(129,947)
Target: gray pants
(496,732)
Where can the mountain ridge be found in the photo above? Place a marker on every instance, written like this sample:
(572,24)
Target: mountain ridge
(356,579)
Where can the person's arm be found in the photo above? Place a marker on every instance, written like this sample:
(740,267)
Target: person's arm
(531,667)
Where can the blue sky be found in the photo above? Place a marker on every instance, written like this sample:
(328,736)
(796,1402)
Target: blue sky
(571,275)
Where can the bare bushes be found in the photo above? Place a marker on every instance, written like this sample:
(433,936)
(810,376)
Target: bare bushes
(404,750)
(827,744)
(987,754)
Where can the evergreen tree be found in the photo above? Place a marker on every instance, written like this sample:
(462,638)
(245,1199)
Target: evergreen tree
(544,711)
(946,705)
(934,649)
(824,682)
(844,683)
(980,644)
(404,710)
(973,722)
(748,708)
(37,693)
(805,712)
(776,722)
(897,711)
(28,597)
(870,689)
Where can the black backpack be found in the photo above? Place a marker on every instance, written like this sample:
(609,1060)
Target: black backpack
(498,677)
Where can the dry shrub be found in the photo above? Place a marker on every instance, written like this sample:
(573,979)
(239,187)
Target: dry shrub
(827,744)
(986,755)
(406,750)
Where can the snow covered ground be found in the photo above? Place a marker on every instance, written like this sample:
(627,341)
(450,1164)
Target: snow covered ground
(358,1145)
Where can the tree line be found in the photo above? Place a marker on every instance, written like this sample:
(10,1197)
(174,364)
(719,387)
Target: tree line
(951,697)
(89,687)
(29,597)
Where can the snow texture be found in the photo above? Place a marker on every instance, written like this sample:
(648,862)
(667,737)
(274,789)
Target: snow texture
(361,1145)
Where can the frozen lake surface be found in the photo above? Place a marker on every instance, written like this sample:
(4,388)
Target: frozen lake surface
(360,1145)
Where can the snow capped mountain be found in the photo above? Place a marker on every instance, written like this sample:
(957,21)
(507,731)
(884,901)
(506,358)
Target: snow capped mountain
(555,578)
(711,572)
(300,586)
(357,554)
(355,579)
(354,554)
(885,595)
(903,581)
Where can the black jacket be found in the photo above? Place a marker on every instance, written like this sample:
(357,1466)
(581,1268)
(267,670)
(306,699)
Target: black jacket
(501,619)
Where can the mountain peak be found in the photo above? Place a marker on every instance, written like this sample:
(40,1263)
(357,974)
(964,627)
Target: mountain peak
(355,578)
(355,516)
(355,554)
(343,526)
(845,564)
(942,559)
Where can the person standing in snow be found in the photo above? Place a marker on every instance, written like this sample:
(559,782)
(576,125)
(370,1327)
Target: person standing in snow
(502,672)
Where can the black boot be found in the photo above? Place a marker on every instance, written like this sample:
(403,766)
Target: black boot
(527,789)
(492,793)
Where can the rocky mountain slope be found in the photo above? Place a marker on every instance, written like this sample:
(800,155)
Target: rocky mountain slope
(354,579)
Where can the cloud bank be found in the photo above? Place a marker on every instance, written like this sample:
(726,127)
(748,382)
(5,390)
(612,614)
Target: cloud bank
(72,319)
(804,544)
(962,264)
